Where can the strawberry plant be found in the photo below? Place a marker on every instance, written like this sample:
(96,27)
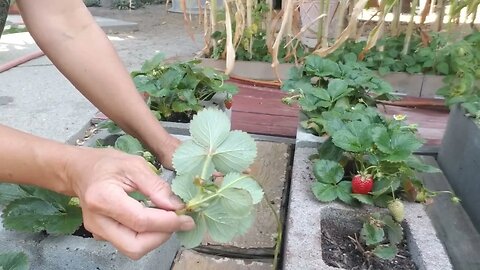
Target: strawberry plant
(462,85)
(179,87)
(387,55)
(365,144)
(224,208)
(379,236)
(321,85)
(32,209)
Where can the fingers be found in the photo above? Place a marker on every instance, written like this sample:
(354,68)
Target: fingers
(139,218)
(129,242)
(158,191)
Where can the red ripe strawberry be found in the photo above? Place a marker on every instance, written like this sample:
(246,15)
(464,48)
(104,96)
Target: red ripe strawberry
(362,184)
(228,103)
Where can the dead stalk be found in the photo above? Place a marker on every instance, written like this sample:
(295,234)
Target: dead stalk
(409,32)
(230,59)
(276,45)
(351,27)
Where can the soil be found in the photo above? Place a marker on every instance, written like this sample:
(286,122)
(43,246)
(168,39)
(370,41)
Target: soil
(82,232)
(338,250)
(180,117)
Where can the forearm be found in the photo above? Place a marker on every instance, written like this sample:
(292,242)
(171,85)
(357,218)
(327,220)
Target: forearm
(70,37)
(26,159)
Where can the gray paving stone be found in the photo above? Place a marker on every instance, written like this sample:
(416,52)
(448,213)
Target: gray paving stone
(191,260)
(270,170)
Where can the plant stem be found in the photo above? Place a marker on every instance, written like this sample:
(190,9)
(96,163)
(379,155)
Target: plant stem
(208,160)
(278,242)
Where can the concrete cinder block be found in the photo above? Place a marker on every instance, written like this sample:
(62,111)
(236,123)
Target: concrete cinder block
(459,158)
(404,83)
(303,227)
(306,139)
(251,69)
(431,83)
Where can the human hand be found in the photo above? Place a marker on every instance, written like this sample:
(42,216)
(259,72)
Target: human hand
(165,151)
(101,178)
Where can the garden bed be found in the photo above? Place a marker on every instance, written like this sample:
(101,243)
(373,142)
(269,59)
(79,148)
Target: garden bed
(340,244)
(304,221)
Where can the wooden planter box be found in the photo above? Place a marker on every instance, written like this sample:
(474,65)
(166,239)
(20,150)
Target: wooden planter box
(459,158)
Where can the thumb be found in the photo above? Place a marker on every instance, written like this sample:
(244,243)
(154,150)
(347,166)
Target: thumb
(159,192)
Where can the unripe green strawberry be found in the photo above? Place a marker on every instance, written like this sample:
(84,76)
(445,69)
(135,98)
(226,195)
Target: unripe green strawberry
(397,210)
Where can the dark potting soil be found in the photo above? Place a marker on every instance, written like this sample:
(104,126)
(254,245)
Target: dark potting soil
(82,232)
(180,117)
(338,250)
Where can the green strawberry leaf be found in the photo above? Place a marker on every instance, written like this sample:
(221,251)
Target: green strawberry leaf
(236,153)
(11,192)
(183,186)
(129,144)
(324,192)
(366,199)
(416,164)
(327,171)
(329,151)
(236,201)
(385,185)
(245,182)
(386,252)
(193,238)
(221,224)
(14,261)
(190,158)
(397,146)
(151,64)
(34,215)
(354,137)
(372,234)
(321,67)
(338,88)
(210,128)
(394,230)
(344,192)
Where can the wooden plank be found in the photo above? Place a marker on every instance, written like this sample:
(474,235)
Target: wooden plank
(265,124)
(431,124)
(452,223)
(263,106)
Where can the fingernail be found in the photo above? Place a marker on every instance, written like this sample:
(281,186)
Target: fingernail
(176,202)
(187,223)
